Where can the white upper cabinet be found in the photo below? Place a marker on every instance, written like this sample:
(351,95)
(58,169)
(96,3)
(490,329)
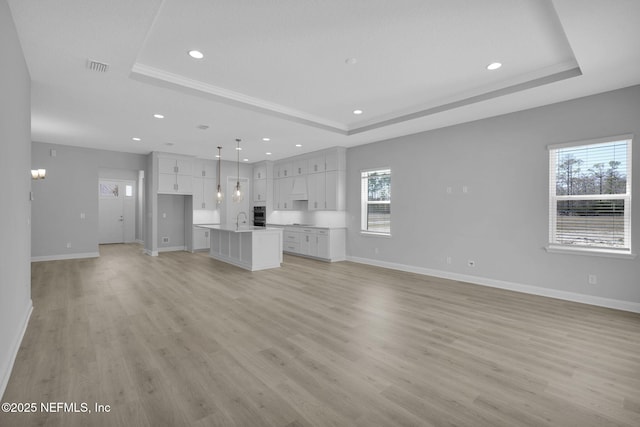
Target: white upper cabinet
(331,161)
(260,171)
(300,167)
(316,164)
(204,183)
(204,168)
(259,190)
(323,173)
(175,174)
(283,169)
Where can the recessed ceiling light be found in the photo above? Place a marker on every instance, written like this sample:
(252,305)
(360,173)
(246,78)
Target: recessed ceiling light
(245,160)
(135,138)
(239,148)
(265,139)
(196,54)
(357,112)
(494,66)
(203,127)
(158,116)
(268,153)
(298,145)
(217,156)
(351,61)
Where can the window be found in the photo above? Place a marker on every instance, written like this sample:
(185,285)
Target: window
(376,201)
(108,189)
(590,196)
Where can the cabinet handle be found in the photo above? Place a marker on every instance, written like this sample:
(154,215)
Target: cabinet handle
(204,173)
(285,172)
(175,169)
(203,206)
(175,187)
(299,171)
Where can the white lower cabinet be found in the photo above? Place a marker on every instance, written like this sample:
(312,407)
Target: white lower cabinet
(291,241)
(201,239)
(322,245)
(327,244)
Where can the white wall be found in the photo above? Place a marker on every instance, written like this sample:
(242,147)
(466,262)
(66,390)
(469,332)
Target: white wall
(15,209)
(71,188)
(502,222)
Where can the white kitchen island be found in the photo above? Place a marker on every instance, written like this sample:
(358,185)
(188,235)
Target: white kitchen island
(251,248)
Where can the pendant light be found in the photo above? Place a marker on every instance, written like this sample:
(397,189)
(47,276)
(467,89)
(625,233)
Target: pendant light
(237,192)
(219,196)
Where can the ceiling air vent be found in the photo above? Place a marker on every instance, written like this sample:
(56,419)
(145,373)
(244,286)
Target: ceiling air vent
(203,127)
(100,67)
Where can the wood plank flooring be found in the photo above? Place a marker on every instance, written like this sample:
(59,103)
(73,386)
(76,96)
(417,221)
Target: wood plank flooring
(184,340)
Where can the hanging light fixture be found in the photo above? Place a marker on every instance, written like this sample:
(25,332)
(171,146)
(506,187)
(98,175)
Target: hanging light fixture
(219,195)
(237,192)
(38,173)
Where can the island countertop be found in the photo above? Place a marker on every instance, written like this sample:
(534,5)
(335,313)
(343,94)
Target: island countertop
(234,229)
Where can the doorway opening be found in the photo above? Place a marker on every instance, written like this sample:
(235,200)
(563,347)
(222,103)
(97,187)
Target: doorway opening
(116,211)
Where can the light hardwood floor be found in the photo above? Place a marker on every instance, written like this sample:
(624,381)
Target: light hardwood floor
(181,339)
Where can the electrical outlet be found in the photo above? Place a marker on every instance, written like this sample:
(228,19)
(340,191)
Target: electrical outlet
(164,215)
(471,263)
(376,251)
(165,240)
(465,189)
(68,245)
(449,260)
(593,279)
(82,215)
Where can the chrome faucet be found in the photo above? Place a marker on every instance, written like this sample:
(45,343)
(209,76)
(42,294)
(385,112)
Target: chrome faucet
(238,219)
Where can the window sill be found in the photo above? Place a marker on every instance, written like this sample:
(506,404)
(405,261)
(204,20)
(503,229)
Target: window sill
(607,253)
(372,234)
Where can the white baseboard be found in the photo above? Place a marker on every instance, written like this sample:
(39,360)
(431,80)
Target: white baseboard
(150,253)
(65,256)
(511,286)
(172,249)
(5,371)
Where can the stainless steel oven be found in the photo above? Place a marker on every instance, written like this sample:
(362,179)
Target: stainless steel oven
(260,216)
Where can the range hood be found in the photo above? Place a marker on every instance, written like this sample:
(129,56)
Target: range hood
(299,190)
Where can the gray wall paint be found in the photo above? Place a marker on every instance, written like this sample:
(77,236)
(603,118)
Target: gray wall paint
(171,217)
(502,222)
(71,188)
(15,209)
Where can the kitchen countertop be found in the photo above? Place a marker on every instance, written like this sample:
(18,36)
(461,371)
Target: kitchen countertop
(233,228)
(324,227)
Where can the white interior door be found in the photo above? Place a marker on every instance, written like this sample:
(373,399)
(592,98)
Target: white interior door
(116,211)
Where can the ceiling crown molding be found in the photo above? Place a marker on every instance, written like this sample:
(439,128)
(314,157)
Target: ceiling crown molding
(148,74)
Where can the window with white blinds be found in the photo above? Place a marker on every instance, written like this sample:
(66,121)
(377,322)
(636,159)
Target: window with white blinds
(590,195)
(376,201)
